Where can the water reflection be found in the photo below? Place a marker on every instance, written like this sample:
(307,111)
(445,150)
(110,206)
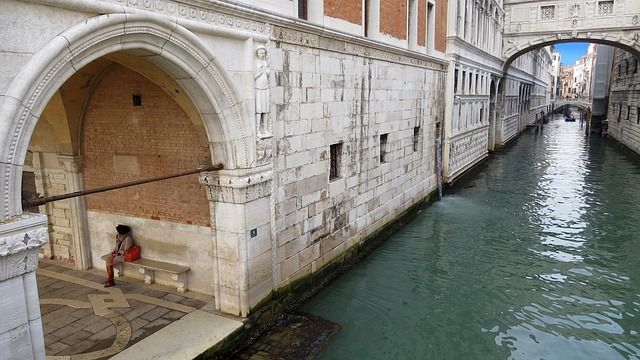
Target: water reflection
(538,257)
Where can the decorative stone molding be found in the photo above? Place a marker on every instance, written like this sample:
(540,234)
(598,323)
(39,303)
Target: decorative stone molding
(319,41)
(200,13)
(20,241)
(90,40)
(237,187)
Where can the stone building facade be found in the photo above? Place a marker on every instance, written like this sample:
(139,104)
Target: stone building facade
(624,109)
(338,143)
(488,98)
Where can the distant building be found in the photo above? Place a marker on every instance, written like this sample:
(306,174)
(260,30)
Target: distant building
(567,89)
(556,66)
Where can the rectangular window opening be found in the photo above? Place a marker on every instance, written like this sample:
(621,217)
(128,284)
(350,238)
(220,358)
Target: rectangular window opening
(455,82)
(383,148)
(302,9)
(619,112)
(412,22)
(431,27)
(136,99)
(628,112)
(638,115)
(547,12)
(367,11)
(416,138)
(605,7)
(336,155)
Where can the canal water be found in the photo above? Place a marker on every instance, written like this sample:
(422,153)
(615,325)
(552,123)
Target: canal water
(536,257)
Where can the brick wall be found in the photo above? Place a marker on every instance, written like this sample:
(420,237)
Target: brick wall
(422,22)
(393,18)
(348,10)
(441,25)
(124,143)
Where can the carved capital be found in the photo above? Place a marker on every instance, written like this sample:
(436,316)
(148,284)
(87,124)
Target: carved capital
(237,186)
(20,240)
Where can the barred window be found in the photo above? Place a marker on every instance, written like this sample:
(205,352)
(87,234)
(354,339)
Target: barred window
(336,155)
(605,7)
(548,12)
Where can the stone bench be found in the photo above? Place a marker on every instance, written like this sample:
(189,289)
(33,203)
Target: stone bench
(148,268)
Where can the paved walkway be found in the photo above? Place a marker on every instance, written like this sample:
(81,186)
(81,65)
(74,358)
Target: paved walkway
(84,320)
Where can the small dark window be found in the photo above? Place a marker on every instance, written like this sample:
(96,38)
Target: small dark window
(638,115)
(481,114)
(137,99)
(619,70)
(455,82)
(416,138)
(366,18)
(628,112)
(635,66)
(619,111)
(336,154)
(626,66)
(383,148)
(464,81)
(302,9)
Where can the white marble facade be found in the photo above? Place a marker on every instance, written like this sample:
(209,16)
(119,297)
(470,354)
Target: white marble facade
(276,216)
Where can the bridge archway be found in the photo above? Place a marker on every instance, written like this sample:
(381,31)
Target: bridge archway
(510,56)
(533,24)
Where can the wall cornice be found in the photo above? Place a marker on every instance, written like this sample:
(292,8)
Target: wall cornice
(245,21)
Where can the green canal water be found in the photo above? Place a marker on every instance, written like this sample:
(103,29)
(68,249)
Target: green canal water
(536,257)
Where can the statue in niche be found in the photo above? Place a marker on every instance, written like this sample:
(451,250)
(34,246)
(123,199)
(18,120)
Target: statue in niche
(261,78)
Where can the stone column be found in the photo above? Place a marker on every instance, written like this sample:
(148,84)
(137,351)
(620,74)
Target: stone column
(241,223)
(82,252)
(21,334)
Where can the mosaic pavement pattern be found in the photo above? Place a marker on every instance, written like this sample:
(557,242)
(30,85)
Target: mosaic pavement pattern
(84,320)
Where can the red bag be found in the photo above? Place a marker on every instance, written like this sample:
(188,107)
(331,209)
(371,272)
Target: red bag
(132,254)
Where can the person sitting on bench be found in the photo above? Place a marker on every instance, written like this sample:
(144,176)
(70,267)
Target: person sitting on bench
(123,242)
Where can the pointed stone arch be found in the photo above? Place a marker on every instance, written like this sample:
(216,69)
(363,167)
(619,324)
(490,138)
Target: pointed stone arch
(164,43)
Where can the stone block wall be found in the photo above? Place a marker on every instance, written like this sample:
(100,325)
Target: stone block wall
(182,244)
(624,107)
(325,97)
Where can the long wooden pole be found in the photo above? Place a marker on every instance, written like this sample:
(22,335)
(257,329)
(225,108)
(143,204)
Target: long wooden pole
(43,200)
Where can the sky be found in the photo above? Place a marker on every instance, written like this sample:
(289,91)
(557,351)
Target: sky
(571,52)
